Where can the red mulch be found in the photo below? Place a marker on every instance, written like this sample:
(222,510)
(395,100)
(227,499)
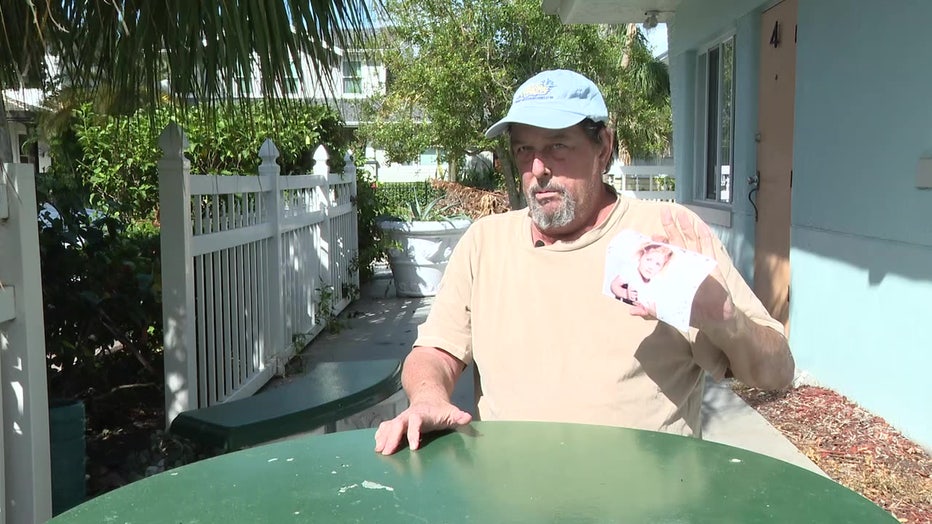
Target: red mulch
(852,446)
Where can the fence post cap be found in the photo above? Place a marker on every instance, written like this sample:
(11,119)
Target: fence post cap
(172,140)
(321,153)
(268,152)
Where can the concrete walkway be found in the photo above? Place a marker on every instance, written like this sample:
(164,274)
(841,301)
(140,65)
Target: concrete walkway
(380,325)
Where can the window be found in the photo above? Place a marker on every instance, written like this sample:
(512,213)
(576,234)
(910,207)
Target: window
(352,77)
(292,81)
(25,150)
(716,122)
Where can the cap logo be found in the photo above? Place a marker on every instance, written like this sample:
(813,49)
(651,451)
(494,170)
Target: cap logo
(534,91)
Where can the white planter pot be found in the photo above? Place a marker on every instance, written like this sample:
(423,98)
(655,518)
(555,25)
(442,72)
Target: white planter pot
(421,252)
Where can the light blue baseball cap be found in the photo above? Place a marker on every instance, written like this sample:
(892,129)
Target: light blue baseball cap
(554,99)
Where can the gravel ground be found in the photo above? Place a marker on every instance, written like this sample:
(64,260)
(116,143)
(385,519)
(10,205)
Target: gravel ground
(854,447)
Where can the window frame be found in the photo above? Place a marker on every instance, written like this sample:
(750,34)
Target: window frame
(356,78)
(24,149)
(710,163)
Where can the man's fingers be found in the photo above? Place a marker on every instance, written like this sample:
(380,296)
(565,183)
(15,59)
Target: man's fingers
(380,437)
(674,236)
(457,417)
(640,310)
(462,418)
(388,436)
(413,422)
(688,228)
(706,246)
(414,432)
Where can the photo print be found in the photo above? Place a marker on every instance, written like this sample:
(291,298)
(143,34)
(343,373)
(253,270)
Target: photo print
(661,277)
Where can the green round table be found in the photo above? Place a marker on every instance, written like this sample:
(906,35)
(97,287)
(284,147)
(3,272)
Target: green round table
(487,472)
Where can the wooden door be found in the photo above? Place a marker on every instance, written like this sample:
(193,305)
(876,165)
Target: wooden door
(777,89)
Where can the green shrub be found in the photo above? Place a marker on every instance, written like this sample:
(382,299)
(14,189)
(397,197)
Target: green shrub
(100,248)
(116,157)
(369,209)
(102,294)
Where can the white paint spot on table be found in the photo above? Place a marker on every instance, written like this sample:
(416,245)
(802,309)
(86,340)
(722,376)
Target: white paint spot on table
(368,484)
(344,489)
(289,459)
(273,459)
(735,460)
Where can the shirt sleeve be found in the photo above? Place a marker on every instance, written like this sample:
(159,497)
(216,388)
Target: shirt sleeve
(448,325)
(707,354)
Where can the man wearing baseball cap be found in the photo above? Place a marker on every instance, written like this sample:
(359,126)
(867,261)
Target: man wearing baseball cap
(523,298)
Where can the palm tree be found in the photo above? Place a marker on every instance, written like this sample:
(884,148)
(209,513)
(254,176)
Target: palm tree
(140,52)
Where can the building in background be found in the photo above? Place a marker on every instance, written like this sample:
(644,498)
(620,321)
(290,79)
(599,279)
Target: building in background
(803,134)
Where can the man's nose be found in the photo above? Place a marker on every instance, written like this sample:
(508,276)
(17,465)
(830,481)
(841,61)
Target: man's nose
(538,168)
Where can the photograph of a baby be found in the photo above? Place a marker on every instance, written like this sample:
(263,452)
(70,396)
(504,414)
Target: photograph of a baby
(656,276)
(632,284)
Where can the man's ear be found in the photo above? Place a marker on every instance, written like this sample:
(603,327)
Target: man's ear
(608,147)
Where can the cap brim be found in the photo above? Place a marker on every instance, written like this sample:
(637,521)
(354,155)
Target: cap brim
(537,116)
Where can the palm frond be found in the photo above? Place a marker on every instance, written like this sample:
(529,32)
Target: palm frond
(147,51)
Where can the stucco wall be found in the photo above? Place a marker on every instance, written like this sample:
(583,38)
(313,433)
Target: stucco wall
(861,290)
(695,26)
(862,233)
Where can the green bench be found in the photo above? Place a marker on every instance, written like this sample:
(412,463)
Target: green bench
(329,392)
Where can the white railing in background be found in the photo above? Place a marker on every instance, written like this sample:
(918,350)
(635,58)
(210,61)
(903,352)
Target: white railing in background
(252,268)
(25,476)
(403,173)
(644,182)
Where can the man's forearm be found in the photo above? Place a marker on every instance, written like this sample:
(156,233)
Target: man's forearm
(430,373)
(759,356)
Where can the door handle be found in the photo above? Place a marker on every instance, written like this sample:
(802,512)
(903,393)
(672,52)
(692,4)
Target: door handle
(754,185)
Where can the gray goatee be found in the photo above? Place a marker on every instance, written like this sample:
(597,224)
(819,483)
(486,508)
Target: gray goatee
(560,217)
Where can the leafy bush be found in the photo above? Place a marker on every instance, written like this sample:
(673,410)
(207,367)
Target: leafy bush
(116,157)
(369,209)
(99,236)
(102,294)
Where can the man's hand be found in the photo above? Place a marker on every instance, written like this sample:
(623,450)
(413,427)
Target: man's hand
(758,356)
(420,417)
(712,305)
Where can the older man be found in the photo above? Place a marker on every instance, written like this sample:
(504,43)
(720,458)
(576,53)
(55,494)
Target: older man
(522,298)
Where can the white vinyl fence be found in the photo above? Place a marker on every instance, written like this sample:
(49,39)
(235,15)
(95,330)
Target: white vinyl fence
(644,182)
(25,483)
(252,268)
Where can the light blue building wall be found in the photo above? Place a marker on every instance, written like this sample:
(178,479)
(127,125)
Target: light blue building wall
(861,315)
(861,257)
(697,24)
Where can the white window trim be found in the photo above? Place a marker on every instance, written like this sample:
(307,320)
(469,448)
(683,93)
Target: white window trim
(347,58)
(718,212)
(712,215)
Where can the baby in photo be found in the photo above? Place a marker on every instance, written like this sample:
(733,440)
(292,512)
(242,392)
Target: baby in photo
(659,277)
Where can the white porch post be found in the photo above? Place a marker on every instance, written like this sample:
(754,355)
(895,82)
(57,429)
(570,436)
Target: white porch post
(177,274)
(324,243)
(270,171)
(352,241)
(25,482)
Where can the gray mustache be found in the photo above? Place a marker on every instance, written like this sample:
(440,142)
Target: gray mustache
(533,190)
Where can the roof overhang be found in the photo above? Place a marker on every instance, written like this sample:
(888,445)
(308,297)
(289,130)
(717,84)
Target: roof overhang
(26,100)
(609,11)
